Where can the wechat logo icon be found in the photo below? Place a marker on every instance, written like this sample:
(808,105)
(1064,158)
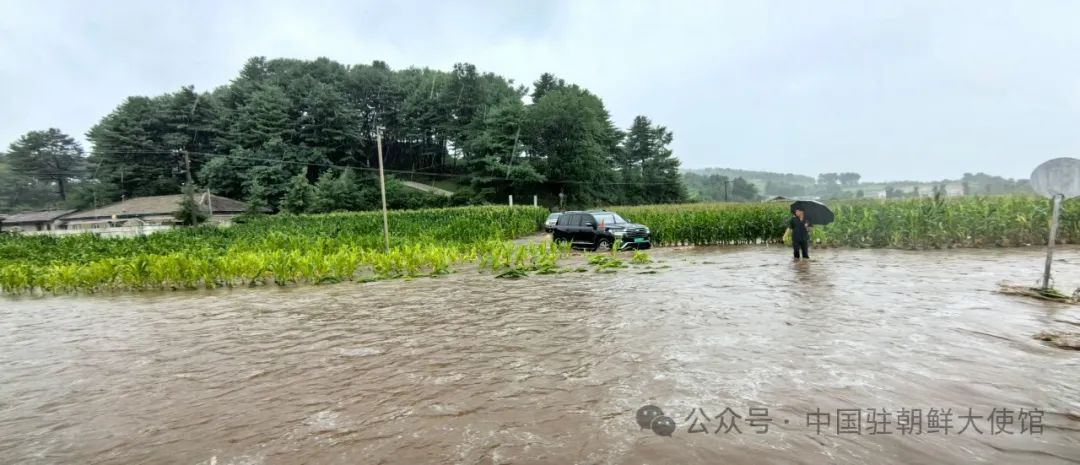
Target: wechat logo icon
(652,417)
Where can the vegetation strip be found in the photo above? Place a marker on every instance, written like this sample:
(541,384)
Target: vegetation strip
(316,249)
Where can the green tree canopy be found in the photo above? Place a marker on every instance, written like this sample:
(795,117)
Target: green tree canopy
(476,131)
(649,170)
(48,156)
(299,194)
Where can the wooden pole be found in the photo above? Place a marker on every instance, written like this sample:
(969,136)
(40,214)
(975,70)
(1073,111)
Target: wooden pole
(190,188)
(1050,243)
(510,162)
(382,186)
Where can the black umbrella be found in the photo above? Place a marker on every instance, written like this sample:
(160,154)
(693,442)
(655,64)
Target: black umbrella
(816,212)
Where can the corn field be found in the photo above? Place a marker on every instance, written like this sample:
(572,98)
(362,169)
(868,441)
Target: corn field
(280,250)
(1005,221)
(710,223)
(927,223)
(317,249)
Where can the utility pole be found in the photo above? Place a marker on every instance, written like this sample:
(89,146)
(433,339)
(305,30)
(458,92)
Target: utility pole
(510,162)
(382,186)
(187,156)
(190,184)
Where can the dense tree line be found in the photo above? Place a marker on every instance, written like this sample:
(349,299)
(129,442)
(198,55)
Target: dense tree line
(843,179)
(785,189)
(758,176)
(985,184)
(302,136)
(718,188)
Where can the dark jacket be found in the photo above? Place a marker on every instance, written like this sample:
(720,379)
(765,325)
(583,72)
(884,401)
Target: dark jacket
(799,232)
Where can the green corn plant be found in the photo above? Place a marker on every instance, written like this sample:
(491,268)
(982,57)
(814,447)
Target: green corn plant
(343,246)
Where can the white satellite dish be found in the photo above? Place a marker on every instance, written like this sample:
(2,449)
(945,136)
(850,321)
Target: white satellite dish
(1060,176)
(1058,179)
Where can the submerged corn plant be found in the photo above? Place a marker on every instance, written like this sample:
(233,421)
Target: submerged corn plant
(314,249)
(640,258)
(282,250)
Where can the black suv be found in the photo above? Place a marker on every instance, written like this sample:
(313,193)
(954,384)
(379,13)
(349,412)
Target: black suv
(598,230)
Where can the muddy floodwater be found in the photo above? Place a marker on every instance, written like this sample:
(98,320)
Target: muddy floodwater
(551,369)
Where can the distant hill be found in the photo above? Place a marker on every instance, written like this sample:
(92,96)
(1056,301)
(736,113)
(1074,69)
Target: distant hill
(788,184)
(765,182)
(762,177)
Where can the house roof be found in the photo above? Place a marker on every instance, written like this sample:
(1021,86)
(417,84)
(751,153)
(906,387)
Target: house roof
(160,205)
(33,217)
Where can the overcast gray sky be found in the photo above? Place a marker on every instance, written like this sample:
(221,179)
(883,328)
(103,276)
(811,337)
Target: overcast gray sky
(893,90)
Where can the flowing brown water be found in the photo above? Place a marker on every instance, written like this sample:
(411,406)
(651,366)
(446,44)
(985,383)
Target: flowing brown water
(550,369)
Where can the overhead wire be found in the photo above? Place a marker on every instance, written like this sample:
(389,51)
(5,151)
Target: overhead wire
(208,155)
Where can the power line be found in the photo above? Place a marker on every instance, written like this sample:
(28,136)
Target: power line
(392,171)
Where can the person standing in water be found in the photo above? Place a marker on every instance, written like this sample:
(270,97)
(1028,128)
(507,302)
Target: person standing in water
(800,233)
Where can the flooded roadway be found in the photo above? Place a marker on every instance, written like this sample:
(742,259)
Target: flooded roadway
(551,369)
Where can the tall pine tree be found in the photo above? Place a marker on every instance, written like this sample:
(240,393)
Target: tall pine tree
(48,156)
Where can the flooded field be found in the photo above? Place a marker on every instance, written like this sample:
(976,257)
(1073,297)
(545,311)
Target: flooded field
(551,369)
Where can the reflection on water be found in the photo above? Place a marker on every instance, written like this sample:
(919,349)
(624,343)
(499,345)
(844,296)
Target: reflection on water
(549,369)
